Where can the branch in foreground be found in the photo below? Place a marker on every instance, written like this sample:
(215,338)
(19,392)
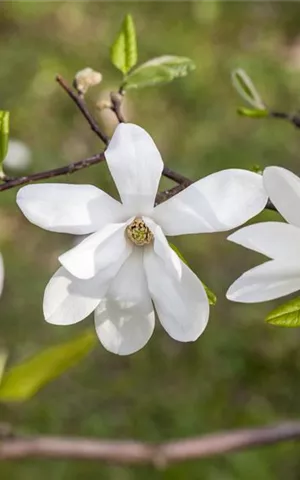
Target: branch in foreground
(133,452)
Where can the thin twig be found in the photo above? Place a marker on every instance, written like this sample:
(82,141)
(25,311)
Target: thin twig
(80,165)
(177,177)
(183,182)
(36,177)
(131,452)
(83,108)
(294,119)
(166,194)
(116,106)
(88,162)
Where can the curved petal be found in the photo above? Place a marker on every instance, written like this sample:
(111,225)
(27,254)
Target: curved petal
(276,240)
(181,304)
(125,318)
(163,250)
(1,274)
(65,208)
(68,300)
(136,166)
(270,280)
(283,188)
(97,251)
(219,202)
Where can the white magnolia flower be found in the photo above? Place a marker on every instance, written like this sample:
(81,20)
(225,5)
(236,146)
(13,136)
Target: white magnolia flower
(18,156)
(277,240)
(125,267)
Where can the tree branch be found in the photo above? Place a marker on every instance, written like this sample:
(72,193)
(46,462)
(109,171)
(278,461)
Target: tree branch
(116,98)
(116,105)
(88,162)
(83,108)
(294,119)
(75,167)
(36,177)
(131,452)
(177,177)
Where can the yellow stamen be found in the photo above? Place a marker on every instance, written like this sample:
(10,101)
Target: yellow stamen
(139,233)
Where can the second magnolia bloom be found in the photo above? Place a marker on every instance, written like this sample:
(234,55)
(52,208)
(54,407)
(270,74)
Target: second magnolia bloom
(125,267)
(279,241)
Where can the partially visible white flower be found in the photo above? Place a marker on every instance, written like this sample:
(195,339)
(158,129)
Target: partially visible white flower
(279,241)
(18,157)
(126,267)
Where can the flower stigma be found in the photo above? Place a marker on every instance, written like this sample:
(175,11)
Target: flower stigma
(138,232)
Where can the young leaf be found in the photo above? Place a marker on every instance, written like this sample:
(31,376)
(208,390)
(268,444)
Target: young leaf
(252,113)
(210,295)
(24,380)
(4,134)
(245,87)
(176,250)
(256,168)
(123,52)
(3,358)
(212,298)
(287,315)
(158,71)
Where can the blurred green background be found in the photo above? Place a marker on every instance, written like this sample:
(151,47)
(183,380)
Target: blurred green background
(241,372)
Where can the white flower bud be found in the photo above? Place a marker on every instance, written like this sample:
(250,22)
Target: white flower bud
(86,78)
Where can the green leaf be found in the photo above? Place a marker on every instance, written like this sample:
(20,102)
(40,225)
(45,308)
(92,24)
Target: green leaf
(287,315)
(158,71)
(26,379)
(252,113)
(245,87)
(210,295)
(3,358)
(176,250)
(4,134)
(123,52)
(212,298)
(257,169)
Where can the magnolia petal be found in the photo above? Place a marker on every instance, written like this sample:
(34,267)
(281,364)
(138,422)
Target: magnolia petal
(66,208)
(1,274)
(163,250)
(270,280)
(219,202)
(276,240)
(97,251)
(125,318)
(69,300)
(181,304)
(283,188)
(136,166)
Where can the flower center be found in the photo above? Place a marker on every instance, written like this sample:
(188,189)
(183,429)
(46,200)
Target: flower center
(139,233)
